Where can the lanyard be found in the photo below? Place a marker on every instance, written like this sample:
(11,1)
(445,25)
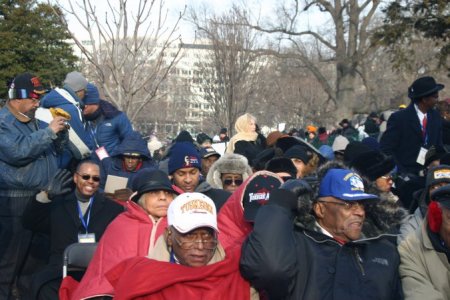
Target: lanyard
(80,214)
(173,259)
(93,130)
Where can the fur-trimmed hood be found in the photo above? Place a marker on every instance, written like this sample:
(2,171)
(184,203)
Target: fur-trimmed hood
(382,216)
(228,163)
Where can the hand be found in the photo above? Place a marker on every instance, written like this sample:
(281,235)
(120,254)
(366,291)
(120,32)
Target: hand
(60,184)
(58,124)
(292,194)
(297,186)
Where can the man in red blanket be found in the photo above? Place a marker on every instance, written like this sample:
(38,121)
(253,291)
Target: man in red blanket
(187,262)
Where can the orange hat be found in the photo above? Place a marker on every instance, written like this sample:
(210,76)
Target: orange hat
(311,128)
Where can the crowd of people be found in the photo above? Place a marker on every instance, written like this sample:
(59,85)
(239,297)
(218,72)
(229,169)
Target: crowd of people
(359,212)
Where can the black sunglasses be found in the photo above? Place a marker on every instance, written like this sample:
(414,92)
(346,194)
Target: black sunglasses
(230,181)
(87,177)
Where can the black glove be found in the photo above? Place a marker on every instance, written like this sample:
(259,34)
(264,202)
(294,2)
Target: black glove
(297,186)
(60,184)
(291,193)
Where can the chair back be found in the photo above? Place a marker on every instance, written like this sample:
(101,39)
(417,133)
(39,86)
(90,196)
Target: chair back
(77,257)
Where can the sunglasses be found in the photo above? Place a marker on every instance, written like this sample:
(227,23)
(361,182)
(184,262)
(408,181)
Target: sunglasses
(231,181)
(87,177)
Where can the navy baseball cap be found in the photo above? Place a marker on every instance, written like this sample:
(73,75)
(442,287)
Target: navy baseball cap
(345,185)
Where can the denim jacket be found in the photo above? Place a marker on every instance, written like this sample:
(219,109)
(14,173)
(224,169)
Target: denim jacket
(27,156)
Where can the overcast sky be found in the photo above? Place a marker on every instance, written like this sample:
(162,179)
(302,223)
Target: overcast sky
(263,8)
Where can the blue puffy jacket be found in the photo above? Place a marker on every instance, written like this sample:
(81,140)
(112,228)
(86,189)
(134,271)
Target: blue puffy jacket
(114,165)
(27,156)
(110,128)
(77,123)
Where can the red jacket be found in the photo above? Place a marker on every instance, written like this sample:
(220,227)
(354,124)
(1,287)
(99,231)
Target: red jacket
(144,278)
(131,234)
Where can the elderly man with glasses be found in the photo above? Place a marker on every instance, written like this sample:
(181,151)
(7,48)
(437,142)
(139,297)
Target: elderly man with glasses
(187,262)
(320,249)
(68,216)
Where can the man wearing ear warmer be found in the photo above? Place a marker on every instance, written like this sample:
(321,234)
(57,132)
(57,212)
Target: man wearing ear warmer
(425,253)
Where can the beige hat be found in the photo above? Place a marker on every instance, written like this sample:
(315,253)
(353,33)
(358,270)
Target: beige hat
(190,211)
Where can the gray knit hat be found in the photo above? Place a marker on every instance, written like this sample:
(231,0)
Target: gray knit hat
(76,81)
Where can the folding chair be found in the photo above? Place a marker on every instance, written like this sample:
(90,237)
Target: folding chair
(77,257)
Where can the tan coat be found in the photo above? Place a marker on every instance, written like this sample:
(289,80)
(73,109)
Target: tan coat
(425,273)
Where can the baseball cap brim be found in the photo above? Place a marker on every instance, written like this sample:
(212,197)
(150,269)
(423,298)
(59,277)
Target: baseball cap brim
(442,195)
(153,187)
(206,220)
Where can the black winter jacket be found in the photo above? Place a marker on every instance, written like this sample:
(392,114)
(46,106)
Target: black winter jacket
(294,261)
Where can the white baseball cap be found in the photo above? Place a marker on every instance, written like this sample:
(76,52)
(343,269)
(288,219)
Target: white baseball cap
(189,211)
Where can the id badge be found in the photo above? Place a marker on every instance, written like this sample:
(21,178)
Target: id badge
(421,157)
(86,238)
(101,153)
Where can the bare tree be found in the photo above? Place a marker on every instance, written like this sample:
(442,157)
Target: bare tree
(128,49)
(289,94)
(344,44)
(231,68)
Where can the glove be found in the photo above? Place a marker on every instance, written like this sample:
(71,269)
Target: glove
(60,184)
(291,193)
(297,186)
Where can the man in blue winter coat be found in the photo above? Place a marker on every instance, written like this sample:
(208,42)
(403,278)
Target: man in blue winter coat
(107,125)
(127,159)
(70,99)
(27,163)
(324,253)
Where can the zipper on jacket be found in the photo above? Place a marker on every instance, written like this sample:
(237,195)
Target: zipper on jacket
(359,261)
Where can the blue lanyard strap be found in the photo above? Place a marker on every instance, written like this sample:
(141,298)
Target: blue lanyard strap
(173,259)
(80,214)
(93,130)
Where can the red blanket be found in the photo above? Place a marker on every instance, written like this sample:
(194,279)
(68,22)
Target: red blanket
(144,278)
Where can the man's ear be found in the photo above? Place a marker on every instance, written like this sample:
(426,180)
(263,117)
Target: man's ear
(319,210)
(168,236)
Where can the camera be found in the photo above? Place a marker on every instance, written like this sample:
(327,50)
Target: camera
(66,124)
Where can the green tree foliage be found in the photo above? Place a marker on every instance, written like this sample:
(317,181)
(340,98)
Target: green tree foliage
(34,40)
(407,21)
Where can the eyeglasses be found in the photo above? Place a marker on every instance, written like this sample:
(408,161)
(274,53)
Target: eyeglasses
(87,177)
(231,181)
(210,244)
(348,205)
(387,177)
